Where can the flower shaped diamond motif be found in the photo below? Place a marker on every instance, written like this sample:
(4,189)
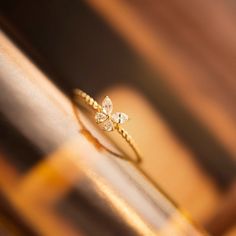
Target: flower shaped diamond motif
(109,120)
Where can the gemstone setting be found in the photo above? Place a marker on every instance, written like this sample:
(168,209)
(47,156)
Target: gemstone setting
(108,120)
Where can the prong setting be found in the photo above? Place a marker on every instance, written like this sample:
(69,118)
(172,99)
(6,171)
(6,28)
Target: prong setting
(108,120)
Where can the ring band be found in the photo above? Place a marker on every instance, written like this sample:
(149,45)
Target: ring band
(108,120)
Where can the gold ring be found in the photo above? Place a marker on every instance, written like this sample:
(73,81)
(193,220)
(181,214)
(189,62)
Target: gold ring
(107,120)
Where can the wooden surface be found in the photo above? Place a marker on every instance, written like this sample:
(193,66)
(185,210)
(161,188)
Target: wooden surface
(71,161)
(180,55)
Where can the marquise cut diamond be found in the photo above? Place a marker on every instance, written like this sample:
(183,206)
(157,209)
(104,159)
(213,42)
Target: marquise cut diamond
(107,106)
(120,117)
(100,117)
(108,126)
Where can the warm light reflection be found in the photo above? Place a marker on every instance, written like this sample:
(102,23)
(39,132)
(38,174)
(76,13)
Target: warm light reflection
(119,205)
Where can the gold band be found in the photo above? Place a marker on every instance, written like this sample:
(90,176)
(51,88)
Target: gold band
(87,100)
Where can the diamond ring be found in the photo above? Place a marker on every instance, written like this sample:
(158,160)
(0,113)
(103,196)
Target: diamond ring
(106,119)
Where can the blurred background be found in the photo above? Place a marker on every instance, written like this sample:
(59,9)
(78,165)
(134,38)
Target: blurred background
(170,65)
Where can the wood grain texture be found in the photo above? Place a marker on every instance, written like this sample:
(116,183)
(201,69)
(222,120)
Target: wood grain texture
(44,115)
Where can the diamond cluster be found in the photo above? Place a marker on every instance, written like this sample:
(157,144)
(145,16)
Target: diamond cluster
(106,117)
